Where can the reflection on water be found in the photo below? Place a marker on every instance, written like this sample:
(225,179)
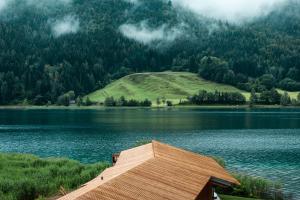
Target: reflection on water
(258,142)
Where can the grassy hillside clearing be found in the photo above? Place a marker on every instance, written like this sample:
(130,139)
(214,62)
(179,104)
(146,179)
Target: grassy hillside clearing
(171,85)
(293,95)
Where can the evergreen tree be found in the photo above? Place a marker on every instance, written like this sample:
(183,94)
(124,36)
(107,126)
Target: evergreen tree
(253,98)
(285,99)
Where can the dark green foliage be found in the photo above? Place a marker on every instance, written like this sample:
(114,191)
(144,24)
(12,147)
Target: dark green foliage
(285,99)
(256,187)
(252,187)
(146,103)
(253,98)
(204,97)
(110,101)
(158,102)
(40,100)
(289,84)
(27,177)
(269,97)
(79,101)
(216,69)
(66,99)
(63,100)
(88,102)
(39,67)
(169,103)
(122,102)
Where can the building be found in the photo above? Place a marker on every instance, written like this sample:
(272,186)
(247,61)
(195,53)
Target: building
(156,171)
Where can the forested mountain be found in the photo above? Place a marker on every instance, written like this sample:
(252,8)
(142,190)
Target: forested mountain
(48,48)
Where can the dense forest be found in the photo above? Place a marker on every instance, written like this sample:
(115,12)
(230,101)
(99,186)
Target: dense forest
(49,49)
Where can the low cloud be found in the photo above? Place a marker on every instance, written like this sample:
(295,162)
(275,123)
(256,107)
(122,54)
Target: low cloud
(144,34)
(233,11)
(132,1)
(3,4)
(37,3)
(69,24)
(48,3)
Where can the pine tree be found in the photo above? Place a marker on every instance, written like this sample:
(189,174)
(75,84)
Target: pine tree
(253,98)
(285,99)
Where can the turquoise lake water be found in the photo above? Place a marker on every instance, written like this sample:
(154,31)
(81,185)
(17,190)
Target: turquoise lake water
(261,142)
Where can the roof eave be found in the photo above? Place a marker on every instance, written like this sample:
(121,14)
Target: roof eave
(222,182)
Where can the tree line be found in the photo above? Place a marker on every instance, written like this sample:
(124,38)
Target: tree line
(273,97)
(122,102)
(208,98)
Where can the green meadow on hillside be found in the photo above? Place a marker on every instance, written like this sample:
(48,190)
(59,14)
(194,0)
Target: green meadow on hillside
(170,85)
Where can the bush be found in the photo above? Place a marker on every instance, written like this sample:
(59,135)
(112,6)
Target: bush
(269,97)
(39,100)
(252,187)
(169,103)
(204,97)
(63,100)
(289,84)
(146,103)
(111,102)
(256,187)
(88,102)
(28,177)
(285,99)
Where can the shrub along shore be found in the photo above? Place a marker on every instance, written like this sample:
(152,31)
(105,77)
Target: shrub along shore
(28,177)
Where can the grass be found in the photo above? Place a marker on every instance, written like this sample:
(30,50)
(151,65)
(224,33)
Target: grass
(227,197)
(27,177)
(171,85)
(293,95)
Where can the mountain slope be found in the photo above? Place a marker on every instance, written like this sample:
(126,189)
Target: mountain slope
(171,85)
(48,48)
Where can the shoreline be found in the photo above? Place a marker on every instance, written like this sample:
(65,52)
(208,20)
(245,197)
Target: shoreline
(74,107)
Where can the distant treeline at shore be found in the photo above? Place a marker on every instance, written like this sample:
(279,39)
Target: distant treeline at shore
(266,97)
(122,102)
(204,97)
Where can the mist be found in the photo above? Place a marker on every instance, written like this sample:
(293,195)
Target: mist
(3,4)
(67,25)
(144,34)
(232,11)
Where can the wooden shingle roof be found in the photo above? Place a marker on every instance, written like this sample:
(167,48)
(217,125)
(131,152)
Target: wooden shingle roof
(154,171)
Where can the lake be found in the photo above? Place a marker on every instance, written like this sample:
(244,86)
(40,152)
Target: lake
(261,142)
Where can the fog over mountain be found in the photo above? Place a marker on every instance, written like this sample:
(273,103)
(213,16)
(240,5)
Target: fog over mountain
(233,11)
(66,25)
(143,33)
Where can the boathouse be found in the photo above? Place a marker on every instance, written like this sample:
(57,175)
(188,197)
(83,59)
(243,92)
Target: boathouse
(156,171)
